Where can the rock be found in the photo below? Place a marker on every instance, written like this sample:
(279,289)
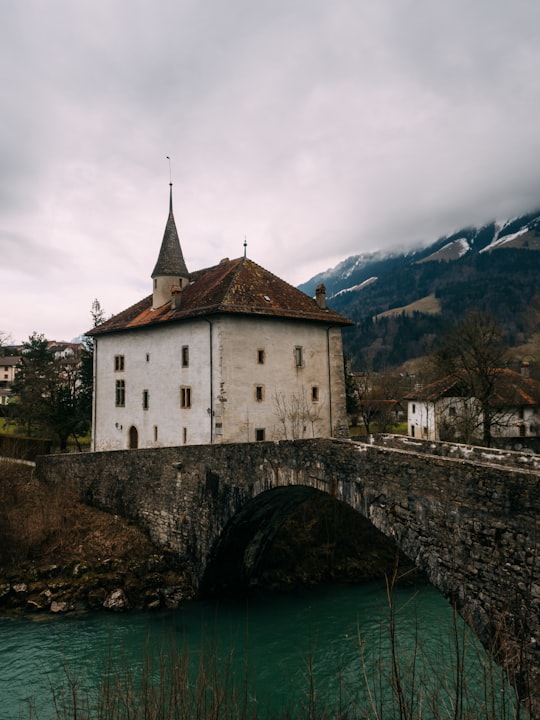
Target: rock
(96,598)
(20,589)
(5,589)
(49,571)
(39,601)
(116,601)
(172,596)
(79,570)
(59,606)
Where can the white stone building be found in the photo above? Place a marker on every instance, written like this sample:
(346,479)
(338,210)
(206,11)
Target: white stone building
(443,411)
(230,353)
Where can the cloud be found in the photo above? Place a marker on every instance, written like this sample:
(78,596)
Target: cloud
(315,130)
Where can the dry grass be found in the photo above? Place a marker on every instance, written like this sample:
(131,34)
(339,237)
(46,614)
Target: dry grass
(42,523)
(429,305)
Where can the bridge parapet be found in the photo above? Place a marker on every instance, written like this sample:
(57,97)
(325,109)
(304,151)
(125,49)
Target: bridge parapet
(459,451)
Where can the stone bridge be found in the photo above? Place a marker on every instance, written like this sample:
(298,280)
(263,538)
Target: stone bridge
(469,518)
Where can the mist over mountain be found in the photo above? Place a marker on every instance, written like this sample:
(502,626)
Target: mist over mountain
(401,301)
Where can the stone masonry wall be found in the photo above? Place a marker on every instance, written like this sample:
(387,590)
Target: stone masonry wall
(473,528)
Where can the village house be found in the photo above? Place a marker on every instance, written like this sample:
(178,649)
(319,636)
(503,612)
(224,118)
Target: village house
(230,353)
(442,410)
(8,370)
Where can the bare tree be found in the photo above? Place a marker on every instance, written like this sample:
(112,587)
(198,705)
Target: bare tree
(376,396)
(472,352)
(295,413)
(5,339)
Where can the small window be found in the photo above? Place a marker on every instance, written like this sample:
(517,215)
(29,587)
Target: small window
(184,435)
(118,363)
(522,430)
(185,355)
(259,434)
(452,410)
(145,399)
(414,408)
(147,357)
(259,392)
(185,397)
(155,433)
(261,357)
(315,393)
(120,399)
(219,428)
(299,356)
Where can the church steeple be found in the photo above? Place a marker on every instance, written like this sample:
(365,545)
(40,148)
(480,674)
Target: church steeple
(170,269)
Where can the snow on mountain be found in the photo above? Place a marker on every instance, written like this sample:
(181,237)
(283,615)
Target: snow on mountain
(498,240)
(451,251)
(354,288)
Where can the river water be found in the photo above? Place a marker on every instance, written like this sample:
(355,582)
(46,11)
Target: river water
(329,639)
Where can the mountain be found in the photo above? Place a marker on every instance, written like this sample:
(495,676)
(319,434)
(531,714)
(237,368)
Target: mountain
(401,301)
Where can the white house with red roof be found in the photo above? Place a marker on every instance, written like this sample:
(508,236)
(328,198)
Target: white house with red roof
(230,353)
(444,410)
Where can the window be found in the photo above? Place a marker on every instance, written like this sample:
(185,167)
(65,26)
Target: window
(219,428)
(120,399)
(145,399)
(522,430)
(299,356)
(118,363)
(155,433)
(147,357)
(452,410)
(314,393)
(261,357)
(259,392)
(185,397)
(259,434)
(185,355)
(184,435)
(414,408)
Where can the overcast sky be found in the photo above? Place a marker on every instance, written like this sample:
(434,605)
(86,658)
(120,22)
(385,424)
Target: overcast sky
(317,129)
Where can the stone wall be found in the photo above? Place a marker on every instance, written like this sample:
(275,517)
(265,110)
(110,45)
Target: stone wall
(473,528)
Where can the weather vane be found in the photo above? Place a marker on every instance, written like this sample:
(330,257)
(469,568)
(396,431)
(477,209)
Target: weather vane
(245,246)
(170,172)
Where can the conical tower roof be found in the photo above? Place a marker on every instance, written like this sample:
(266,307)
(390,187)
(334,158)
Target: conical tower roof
(170,260)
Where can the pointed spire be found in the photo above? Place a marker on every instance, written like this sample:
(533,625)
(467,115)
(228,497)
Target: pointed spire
(170,261)
(170,270)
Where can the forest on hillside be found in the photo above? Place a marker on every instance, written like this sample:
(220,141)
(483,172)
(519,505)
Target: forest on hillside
(504,284)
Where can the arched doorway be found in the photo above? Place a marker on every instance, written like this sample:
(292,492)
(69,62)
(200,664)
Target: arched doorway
(133,438)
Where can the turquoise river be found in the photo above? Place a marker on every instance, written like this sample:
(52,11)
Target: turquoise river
(330,644)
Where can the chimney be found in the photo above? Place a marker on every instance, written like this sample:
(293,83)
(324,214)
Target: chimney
(525,369)
(320,296)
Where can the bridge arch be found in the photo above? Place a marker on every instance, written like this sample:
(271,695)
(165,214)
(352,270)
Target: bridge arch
(344,543)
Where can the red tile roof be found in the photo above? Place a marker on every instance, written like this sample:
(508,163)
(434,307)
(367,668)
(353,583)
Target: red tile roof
(511,389)
(238,287)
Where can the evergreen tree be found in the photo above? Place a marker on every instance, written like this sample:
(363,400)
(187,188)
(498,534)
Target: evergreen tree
(48,393)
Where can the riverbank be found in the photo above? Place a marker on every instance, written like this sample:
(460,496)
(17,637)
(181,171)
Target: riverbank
(58,555)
